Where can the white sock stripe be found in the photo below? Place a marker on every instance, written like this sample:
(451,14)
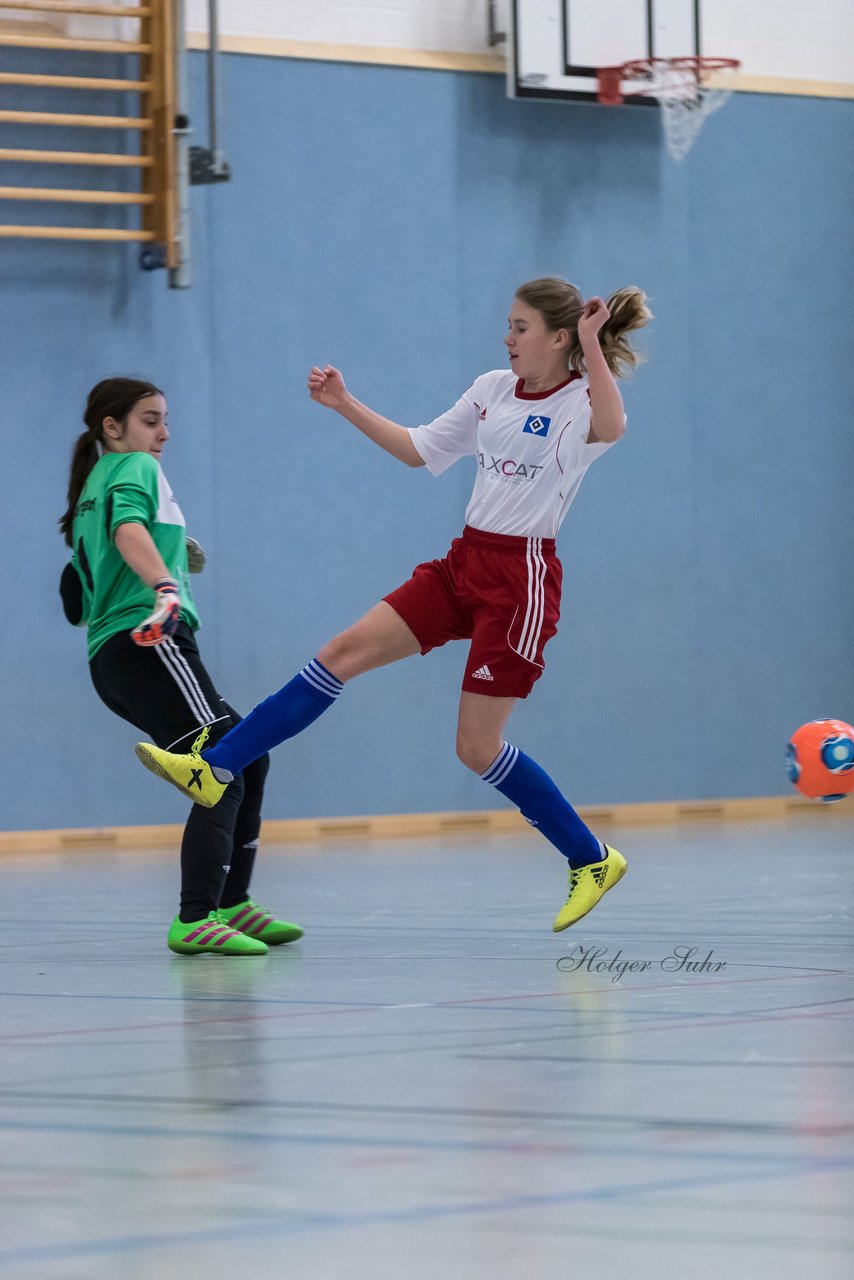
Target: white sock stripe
(501,765)
(321,680)
(509,761)
(327,676)
(178,668)
(488,774)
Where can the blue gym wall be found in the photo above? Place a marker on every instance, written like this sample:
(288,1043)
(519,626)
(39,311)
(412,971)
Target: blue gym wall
(379,219)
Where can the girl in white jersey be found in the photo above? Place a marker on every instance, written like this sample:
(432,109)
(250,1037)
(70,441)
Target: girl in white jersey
(533,430)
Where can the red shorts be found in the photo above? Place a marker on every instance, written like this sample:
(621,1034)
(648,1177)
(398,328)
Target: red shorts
(502,593)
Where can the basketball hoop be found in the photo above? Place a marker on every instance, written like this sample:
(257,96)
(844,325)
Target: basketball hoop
(688,90)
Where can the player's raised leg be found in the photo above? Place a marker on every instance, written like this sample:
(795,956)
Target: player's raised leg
(378,638)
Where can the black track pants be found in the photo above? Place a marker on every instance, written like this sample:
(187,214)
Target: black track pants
(167,693)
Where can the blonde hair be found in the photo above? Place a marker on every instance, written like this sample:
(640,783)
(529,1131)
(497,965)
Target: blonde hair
(561,304)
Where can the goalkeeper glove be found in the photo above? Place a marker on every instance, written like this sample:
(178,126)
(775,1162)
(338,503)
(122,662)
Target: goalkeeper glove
(196,558)
(163,621)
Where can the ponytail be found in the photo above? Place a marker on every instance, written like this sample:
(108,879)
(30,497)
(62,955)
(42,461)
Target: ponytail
(561,306)
(112,398)
(83,458)
(628,312)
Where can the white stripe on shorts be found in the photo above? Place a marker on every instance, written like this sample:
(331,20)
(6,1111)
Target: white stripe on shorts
(535,612)
(183,675)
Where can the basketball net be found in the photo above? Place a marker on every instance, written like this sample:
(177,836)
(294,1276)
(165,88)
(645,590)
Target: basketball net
(687,89)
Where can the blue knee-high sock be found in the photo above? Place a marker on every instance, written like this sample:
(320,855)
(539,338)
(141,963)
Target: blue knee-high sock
(521,780)
(283,715)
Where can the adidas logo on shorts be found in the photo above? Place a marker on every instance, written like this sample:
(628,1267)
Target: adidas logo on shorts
(482,673)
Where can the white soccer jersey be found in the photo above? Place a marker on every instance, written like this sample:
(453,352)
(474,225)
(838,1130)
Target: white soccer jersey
(531,451)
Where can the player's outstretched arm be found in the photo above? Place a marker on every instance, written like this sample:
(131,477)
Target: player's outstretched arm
(326,387)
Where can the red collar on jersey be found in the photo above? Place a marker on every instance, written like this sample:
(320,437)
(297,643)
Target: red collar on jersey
(542,395)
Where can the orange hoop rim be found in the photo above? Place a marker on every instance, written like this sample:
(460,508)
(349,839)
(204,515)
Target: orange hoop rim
(610,79)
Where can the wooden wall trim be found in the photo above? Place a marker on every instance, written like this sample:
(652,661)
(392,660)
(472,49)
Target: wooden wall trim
(405,826)
(447,60)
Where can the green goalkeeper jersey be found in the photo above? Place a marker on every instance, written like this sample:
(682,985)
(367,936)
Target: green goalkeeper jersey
(126,488)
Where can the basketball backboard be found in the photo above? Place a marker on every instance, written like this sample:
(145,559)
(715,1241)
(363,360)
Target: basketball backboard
(555,46)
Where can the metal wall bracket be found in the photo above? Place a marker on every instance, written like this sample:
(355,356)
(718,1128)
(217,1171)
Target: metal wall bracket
(495,36)
(206,167)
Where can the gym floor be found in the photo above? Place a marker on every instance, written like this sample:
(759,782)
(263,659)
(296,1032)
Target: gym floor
(431,1083)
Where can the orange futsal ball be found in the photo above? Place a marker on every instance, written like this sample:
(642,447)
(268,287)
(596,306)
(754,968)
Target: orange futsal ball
(820,760)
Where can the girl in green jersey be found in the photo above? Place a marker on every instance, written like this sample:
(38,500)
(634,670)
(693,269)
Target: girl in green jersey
(128,583)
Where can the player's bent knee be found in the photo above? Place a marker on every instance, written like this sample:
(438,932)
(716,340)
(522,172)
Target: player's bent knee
(353,652)
(338,655)
(476,756)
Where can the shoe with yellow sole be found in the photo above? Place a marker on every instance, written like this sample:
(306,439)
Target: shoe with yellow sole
(587,885)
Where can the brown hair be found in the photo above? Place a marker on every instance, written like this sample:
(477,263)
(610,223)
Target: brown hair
(561,304)
(112,398)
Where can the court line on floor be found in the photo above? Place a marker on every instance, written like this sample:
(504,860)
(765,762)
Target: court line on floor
(813,1243)
(340,1007)
(419,1213)
(344,1046)
(182,999)
(701,1018)
(459,1146)
(391,1111)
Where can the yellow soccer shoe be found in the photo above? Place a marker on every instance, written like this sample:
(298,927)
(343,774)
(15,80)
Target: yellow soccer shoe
(587,885)
(188,772)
